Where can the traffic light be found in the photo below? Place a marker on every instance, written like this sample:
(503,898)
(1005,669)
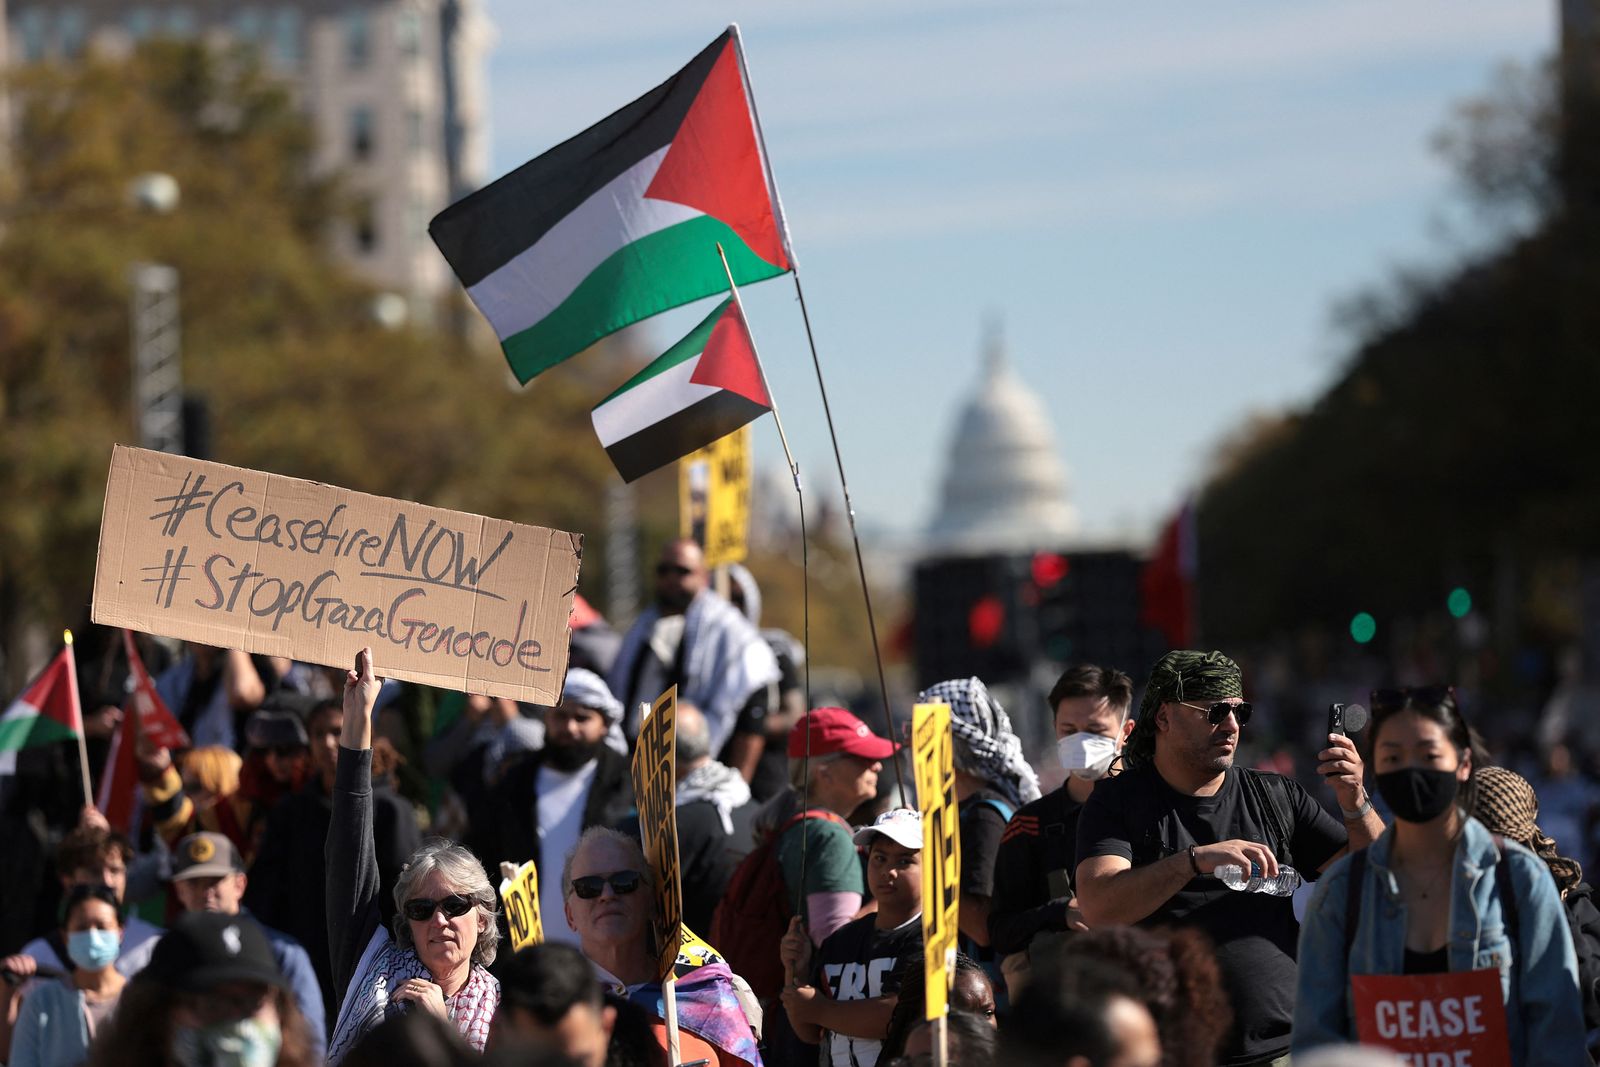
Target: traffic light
(1363,627)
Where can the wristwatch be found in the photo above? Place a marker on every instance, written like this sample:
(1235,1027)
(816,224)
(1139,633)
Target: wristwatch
(1359,814)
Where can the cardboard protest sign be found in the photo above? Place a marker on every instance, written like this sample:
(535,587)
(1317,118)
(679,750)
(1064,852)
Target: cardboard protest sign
(714,498)
(655,786)
(1434,1020)
(283,567)
(519,889)
(933,755)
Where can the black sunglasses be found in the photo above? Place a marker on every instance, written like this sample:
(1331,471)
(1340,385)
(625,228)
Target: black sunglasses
(420,909)
(1219,711)
(1422,696)
(622,883)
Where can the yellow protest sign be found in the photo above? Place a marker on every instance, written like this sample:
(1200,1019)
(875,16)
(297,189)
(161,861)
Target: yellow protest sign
(714,498)
(941,850)
(519,889)
(656,789)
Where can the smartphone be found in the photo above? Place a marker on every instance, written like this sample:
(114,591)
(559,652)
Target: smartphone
(1336,718)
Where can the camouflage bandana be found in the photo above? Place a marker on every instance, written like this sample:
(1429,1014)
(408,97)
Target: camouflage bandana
(1180,675)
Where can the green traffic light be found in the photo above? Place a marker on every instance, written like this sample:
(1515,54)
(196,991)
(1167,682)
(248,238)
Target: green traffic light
(1363,628)
(1459,602)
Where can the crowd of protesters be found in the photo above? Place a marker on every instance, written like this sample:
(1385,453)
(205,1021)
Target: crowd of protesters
(314,879)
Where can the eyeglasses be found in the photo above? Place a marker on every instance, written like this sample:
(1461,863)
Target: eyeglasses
(1422,696)
(421,909)
(674,569)
(622,883)
(1217,712)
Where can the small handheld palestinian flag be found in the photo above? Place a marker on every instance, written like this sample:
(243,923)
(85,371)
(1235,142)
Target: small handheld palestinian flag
(45,712)
(701,389)
(610,227)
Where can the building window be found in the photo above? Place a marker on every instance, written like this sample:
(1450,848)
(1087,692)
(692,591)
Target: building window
(72,31)
(415,138)
(30,27)
(286,35)
(408,33)
(249,25)
(180,23)
(361,133)
(140,23)
(357,39)
(366,229)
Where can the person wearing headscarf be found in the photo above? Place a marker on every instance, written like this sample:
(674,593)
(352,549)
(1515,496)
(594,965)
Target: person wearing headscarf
(770,775)
(545,799)
(992,782)
(693,638)
(1506,804)
(1151,839)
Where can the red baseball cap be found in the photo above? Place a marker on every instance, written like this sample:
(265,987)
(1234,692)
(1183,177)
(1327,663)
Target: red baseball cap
(836,730)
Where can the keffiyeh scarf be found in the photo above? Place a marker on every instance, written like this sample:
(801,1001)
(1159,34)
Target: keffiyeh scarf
(1508,806)
(723,786)
(725,661)
(984,744)
(385,966)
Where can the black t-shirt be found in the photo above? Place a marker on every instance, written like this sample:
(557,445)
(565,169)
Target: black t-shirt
(1139,817)
(857,962)
(1033,871)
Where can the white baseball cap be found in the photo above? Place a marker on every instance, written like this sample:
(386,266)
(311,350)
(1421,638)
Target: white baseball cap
(903,826)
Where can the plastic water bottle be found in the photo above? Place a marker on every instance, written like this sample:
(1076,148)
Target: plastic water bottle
(1233,876)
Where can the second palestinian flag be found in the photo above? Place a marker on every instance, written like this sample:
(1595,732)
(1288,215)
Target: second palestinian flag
(701,389)
(617,224)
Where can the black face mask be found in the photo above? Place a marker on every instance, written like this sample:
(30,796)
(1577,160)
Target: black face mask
(1418,794)
(570,757)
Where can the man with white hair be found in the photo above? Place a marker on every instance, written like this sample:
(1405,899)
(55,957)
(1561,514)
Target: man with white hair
(546,799)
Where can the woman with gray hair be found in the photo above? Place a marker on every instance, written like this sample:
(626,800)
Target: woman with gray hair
(444,935)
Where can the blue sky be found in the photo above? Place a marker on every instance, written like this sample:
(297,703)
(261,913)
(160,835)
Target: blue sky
(1161,201)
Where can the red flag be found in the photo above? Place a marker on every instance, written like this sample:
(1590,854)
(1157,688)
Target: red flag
(144,709)
(1167,586)
(160,725)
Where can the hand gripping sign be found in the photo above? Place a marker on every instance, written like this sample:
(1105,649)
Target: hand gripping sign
(941,850)
(1434,1020)
(519,889)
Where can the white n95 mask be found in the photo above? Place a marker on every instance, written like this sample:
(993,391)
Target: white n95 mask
(1086,755)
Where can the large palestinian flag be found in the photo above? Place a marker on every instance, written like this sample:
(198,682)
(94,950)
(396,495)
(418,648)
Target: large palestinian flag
(700,390)
(622,221)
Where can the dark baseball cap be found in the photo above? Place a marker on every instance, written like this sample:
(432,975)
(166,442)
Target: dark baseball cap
(203,949)
(205,855)
(836,730)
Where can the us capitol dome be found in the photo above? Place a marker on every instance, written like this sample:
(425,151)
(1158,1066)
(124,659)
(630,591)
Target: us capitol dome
(1005,488)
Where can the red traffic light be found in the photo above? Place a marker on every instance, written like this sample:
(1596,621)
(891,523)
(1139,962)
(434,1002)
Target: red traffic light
(985,621)
(1049,568)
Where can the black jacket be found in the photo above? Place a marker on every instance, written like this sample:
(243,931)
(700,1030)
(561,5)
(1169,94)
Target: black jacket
(515,834)
(1033,872)
(287,890)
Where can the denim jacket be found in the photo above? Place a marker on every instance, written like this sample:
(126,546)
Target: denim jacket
(1538,977)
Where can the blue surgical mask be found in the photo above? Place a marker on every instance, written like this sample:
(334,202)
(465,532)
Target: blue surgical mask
(242,1043)
(93,950)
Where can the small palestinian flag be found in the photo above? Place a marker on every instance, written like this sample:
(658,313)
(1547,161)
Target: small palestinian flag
(615,225)
(700,390)
(44,713)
